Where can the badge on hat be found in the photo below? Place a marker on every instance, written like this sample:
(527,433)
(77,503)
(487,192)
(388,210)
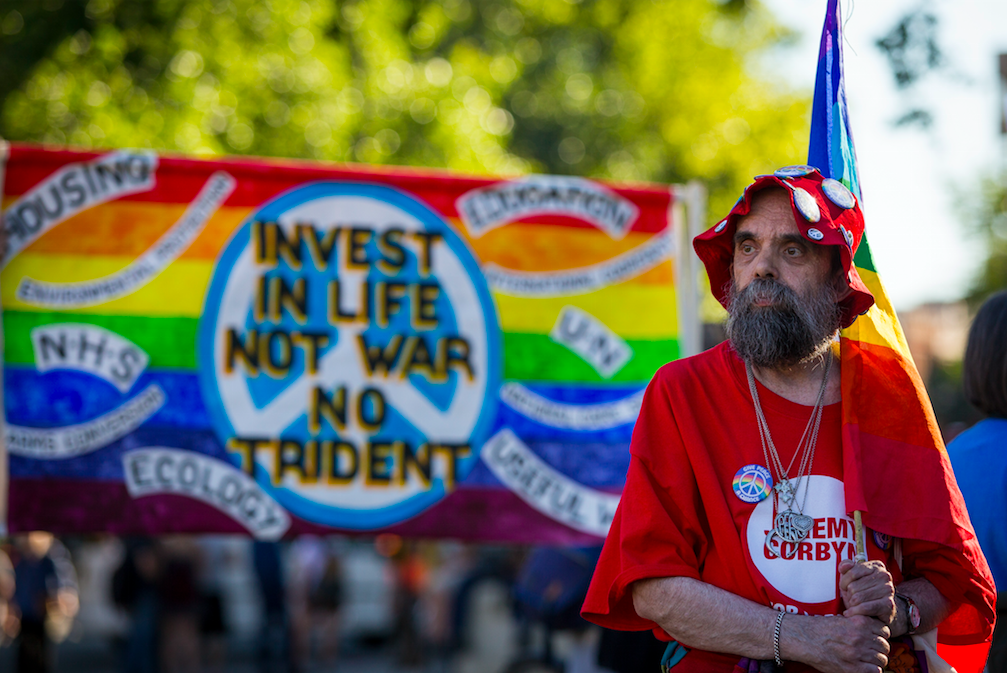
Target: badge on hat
(793,171)
(753,483)
(838,193)
(806,204)
(847,235)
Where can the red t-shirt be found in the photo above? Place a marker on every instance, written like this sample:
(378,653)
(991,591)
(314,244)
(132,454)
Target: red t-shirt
(691,506)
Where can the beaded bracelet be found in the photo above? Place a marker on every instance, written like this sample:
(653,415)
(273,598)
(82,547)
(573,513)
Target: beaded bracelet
(776,638)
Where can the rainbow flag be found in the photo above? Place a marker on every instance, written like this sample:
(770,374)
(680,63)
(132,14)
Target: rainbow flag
(896,468)
(283,347)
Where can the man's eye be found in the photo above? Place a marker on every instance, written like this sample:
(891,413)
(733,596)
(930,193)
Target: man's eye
(747,248)
(793,252)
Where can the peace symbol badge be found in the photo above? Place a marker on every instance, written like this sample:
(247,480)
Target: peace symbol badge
(753,483)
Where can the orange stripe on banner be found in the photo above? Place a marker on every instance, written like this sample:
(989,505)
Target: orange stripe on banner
(130,228)
(891,401)
(532,247)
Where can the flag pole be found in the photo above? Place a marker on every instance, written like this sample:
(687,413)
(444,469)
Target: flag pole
(858,529)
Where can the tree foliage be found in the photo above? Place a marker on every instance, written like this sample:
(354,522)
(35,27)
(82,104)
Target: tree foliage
(987,218)
(661,90)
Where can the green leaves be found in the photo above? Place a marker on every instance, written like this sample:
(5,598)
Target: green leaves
(662,91)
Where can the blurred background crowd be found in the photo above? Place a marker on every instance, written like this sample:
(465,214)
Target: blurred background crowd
(216,603)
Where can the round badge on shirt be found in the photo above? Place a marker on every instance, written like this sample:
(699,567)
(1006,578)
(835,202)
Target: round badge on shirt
(882,540)
(753,483)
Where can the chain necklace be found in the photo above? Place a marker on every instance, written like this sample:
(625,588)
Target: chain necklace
(790,526)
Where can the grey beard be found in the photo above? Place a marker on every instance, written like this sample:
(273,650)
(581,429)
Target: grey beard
(793,330)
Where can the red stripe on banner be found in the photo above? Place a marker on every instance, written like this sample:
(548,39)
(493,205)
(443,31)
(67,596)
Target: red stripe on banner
(965,658)
(919,471)
(890,399)
(179,179)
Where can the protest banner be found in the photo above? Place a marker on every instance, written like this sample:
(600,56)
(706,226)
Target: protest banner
(282,347)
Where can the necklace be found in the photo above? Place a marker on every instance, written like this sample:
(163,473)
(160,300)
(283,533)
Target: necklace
(789,525)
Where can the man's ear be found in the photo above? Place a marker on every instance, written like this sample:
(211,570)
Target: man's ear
(841,287)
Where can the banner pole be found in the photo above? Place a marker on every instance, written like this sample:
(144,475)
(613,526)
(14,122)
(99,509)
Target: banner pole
(692,199)
(4,472)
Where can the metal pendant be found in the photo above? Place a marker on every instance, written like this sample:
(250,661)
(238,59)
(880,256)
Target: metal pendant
(785,490)
(789,526)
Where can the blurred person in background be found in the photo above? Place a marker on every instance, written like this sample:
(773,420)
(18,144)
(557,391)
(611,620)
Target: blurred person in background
(410,580)
(8,617)
(979,455)
(135,590)
(274,640)
(215,562)
(180,606)
(45,598)
(455,562)
(325,601)
(315,594)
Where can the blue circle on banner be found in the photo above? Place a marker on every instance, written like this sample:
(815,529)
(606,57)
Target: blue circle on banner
(753,483)
(350,332)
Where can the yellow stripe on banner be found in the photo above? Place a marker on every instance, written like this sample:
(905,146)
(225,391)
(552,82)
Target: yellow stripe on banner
(639,308)
(880,327)
(631,310)
(177,291)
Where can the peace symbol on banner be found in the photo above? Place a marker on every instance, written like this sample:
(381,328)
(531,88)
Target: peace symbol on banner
(372,378)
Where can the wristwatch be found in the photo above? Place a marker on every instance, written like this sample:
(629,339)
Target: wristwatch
(912,613)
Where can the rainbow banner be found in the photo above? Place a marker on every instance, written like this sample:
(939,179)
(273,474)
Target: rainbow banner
(896,468)
(283,347)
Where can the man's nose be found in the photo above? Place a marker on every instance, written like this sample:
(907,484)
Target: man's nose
(766,265)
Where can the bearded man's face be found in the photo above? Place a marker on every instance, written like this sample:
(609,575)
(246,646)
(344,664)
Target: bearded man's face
(771,325)
(783,301)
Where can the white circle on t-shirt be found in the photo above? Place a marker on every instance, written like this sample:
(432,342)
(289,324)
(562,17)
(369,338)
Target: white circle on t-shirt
(809,576)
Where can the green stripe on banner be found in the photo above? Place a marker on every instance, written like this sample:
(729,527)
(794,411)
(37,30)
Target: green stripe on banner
(536,357)
(170,342)
(863,258)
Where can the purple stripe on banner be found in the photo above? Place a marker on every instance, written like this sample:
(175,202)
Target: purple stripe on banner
(593,464)
(68,506)
(596,465)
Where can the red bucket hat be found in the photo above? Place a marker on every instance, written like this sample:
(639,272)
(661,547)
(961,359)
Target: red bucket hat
(826,213)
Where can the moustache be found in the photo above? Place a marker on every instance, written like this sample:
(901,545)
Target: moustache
(767,291)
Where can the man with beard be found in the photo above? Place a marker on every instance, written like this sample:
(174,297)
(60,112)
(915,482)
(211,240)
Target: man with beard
(732,538)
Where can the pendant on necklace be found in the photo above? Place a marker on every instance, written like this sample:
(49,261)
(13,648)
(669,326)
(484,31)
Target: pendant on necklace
(789,526)
(785,490)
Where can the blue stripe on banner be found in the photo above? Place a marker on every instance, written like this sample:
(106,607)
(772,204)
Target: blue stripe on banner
(62,397)
(601,466)
(596,464)
(576,394)
(58,398)
(106,463)
(533,431)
